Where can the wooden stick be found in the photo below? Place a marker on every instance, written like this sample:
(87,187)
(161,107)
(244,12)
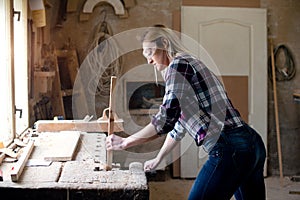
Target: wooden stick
(276,112)
(109,154)
(100,125)
(19,166)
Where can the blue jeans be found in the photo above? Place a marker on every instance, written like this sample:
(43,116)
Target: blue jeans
(234,167)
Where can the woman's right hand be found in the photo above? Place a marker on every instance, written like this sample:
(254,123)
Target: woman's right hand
(114,142)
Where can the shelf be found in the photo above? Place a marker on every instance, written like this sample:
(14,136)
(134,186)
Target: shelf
(143,111)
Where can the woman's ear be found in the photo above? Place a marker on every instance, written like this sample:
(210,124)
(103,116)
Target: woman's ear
(165,43)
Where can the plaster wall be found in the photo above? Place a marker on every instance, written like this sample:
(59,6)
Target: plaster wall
(283,27)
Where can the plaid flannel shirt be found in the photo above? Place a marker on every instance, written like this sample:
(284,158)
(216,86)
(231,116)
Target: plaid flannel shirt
(195,102)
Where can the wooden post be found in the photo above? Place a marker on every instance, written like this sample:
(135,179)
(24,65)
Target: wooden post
(276,112)
(110,130)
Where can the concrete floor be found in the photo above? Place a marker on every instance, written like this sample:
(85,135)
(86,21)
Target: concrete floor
(178,189)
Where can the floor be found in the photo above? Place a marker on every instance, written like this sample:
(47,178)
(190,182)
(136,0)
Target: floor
(178,189)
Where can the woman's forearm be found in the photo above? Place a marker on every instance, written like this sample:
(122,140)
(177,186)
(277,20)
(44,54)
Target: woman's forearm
(167,147)
(146,134)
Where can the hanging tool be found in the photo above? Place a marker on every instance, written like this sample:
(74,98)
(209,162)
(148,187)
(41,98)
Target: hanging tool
(276,112)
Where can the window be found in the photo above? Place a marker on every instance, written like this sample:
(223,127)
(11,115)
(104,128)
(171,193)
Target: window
(13,70)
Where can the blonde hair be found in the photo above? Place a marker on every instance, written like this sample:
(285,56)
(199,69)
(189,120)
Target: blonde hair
(160,34)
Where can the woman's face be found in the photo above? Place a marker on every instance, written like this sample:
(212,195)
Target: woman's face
(155,56)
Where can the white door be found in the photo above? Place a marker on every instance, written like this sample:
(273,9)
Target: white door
(236,40)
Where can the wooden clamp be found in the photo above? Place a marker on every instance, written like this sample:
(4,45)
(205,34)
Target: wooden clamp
(111,108)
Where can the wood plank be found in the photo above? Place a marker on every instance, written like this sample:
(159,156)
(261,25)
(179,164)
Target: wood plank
(143,111)
(276,114)
(59,146)
(223,3)
(77,125)
(56,98)
(10,146)
(19,166)
(9,152)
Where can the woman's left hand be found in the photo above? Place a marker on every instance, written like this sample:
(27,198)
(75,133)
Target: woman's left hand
(151,164)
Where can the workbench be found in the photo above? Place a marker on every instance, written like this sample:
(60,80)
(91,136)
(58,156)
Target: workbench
(75,178)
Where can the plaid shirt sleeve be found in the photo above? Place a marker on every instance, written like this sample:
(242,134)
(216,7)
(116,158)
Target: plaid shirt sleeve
(178,132)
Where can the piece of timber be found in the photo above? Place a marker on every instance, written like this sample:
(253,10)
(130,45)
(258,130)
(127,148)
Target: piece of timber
(20,164)
(9,152)
(77,125)
(58,146)
(109,154)
(2,155)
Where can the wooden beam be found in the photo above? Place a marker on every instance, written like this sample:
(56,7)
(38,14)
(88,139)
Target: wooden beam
(19,166)
(223,3)
(77,125)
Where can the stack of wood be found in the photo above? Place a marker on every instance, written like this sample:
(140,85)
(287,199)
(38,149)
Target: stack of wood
(18,151)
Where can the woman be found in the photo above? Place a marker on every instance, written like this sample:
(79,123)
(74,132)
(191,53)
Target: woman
(195,102)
